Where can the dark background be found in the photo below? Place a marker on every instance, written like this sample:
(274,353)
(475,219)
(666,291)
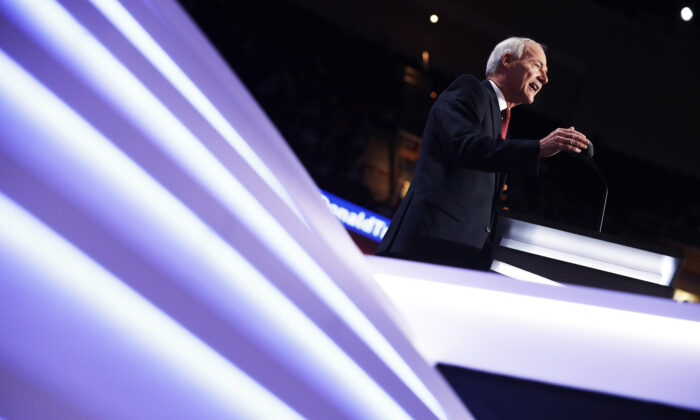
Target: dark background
(346,85)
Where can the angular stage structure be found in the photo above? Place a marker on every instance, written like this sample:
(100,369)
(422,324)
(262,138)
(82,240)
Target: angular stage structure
(163,254)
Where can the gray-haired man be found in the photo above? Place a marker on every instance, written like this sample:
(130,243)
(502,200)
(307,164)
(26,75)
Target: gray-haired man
(448,213)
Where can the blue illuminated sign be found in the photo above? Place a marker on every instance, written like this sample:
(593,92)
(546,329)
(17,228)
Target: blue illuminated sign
(356,218)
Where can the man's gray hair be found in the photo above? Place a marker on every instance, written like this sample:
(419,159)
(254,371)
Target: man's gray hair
(514,45)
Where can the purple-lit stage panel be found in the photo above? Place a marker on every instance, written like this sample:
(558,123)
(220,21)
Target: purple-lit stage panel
(632,346)
(164,254)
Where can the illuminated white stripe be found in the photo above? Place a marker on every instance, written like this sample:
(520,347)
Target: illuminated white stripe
(125,313)
(150,49)
(587,251)
(88,57)
(665,328)
(652,356)
(232,276)
(583,261)
(520,274)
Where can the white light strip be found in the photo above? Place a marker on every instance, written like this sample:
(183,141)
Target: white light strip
(577,313)
(658,266)
(582,261)
(153,52)
(87,57)
(113,177)
(78,280)
(520,274)
(669,344)
(669,266)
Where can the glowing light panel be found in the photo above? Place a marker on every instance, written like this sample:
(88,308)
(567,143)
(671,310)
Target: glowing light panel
(96,165)
(141,39)
(72,277)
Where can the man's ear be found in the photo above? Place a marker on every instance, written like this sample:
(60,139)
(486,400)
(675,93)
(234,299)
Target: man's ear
(507,60)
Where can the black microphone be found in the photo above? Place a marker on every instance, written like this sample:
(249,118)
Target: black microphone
(586,153)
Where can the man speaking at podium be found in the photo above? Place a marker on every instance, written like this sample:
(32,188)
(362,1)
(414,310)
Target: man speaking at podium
(447,215)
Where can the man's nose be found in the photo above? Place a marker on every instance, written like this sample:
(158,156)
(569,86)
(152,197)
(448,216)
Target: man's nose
(543,78)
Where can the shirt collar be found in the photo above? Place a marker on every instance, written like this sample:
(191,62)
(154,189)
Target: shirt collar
(502,104)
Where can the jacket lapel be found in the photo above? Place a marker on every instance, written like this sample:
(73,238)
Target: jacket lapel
(495,111)
(499,179)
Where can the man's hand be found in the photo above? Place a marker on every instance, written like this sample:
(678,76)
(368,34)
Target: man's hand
(563,139)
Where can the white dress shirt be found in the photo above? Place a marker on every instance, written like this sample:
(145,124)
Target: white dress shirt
(502,104)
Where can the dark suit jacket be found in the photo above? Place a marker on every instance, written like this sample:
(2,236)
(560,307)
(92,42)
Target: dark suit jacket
(458,174)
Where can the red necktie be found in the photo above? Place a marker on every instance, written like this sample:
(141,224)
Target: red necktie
(505,114)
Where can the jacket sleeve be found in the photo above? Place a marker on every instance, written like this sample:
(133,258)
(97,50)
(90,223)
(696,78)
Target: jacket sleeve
(459,119)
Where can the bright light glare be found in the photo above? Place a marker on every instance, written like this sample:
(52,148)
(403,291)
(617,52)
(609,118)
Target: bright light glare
(686,14)
(590,252)
(434,18)
(674,331)
(287,248)
(582,261)
(73,278)
(150,49)
(82,52)
(55,29)
(609,349)
(520,274)
(77,145)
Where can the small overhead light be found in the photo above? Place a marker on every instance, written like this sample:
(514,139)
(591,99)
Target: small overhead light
(686,14)
(434,18)
(433,95)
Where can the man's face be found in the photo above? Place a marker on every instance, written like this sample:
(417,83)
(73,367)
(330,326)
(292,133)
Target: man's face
(525,76)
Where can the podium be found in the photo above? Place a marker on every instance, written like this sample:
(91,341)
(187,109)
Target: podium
(584,258)
(552,351)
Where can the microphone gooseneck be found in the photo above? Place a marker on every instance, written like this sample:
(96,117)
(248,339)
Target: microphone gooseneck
(605,196)
(587,155)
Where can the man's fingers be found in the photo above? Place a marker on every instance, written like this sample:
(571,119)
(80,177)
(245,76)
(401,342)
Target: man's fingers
(569,134)
(578,144)
(573,141)
(569,147)
(564,139)
(574,135)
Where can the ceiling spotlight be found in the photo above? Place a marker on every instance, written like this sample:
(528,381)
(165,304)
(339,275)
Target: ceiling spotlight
(686,14)
(434,18)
